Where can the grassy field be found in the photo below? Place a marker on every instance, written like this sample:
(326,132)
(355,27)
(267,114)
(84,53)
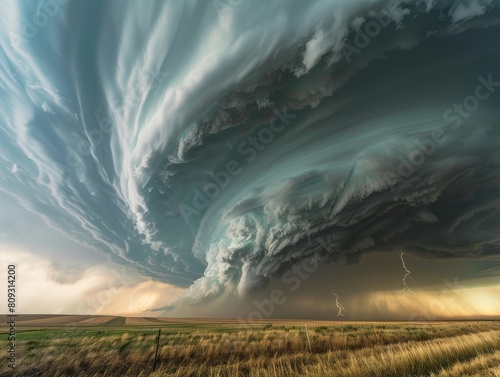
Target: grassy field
(117,346)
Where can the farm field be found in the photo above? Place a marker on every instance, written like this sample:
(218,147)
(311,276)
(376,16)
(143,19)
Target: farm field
(56,346)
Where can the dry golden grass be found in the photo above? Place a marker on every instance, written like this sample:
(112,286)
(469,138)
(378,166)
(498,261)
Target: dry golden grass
(218,349)
(481,366)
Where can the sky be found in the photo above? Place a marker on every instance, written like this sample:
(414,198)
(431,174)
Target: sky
(329,159)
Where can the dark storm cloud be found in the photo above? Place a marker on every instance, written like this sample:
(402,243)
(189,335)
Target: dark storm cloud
(207,152)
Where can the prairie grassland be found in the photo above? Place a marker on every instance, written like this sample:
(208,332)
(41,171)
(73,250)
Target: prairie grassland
(445,349)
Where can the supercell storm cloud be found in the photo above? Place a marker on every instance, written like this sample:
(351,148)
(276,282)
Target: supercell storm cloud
(209,144)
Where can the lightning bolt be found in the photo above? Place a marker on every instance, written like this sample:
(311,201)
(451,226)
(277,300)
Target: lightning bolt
(406,288)
(339,305)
